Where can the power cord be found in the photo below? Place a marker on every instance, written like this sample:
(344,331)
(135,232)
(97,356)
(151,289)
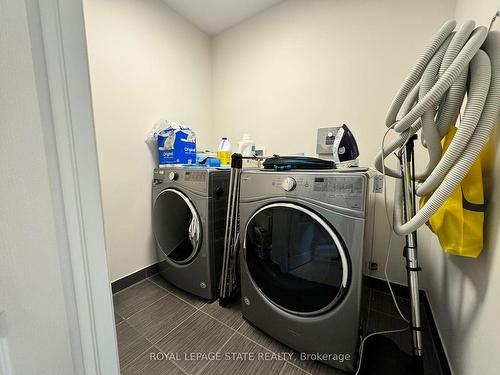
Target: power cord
(388,254)
(395,303)
(391,232)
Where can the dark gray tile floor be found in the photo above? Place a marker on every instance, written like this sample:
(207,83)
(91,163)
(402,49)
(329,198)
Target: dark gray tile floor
(157,324)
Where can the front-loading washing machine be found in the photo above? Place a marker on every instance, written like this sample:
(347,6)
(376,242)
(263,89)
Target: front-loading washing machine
(304,239)
(188,219)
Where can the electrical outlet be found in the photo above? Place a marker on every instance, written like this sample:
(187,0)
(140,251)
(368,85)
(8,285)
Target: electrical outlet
(373,266)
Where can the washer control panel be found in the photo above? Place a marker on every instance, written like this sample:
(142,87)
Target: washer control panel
(341,189)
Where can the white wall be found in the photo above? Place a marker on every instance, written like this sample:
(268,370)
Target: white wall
(35,325)
(146,63)
(464,293)
(303,64)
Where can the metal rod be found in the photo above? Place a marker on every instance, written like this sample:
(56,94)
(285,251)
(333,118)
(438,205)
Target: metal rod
(228,278)
(234,233)
(495,17)
(410,252)
(227,236)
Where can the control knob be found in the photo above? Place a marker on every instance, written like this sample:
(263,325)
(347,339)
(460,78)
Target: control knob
(172,176)
(289,184)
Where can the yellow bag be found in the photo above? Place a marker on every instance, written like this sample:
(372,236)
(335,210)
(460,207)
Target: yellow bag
(458,223)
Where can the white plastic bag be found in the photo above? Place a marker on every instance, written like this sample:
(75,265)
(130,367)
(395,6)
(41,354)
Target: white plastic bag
(152,137)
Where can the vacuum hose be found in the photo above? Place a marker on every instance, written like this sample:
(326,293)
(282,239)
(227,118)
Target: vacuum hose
(430,99)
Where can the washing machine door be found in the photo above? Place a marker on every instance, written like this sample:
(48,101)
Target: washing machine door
(176,226)
(296,259)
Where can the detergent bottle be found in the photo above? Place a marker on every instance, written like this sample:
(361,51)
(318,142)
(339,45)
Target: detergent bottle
(224,152)
(246,147)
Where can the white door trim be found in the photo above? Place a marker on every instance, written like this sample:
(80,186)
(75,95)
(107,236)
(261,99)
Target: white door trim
(61,69)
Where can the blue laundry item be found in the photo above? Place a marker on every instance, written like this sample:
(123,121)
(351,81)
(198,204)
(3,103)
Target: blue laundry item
(208,161)
(176,145)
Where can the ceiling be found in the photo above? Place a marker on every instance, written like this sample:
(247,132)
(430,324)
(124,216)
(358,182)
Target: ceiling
(214,16)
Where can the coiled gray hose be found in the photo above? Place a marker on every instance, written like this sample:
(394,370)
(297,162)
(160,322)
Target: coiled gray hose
(430,99)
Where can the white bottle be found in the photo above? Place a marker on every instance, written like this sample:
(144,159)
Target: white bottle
(224,151)
(246,147)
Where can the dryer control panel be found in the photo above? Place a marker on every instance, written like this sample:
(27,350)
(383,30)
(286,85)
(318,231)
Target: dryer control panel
(182,178)
(198,180)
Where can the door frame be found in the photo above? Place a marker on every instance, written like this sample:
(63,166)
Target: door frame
(59,49)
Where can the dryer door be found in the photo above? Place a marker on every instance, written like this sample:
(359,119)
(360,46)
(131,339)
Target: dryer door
(296,259)
(176,226)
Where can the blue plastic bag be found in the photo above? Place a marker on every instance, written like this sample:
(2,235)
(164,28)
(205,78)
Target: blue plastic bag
(176,145)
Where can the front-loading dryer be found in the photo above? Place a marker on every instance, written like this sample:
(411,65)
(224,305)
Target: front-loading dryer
(188,218)
(304,235)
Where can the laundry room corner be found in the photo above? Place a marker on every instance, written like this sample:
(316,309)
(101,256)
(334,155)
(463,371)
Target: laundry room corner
(296,50)
(146,63)
(278,187)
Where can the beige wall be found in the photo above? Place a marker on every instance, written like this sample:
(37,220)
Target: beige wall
(307,64)
(465,293)
(146,63)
